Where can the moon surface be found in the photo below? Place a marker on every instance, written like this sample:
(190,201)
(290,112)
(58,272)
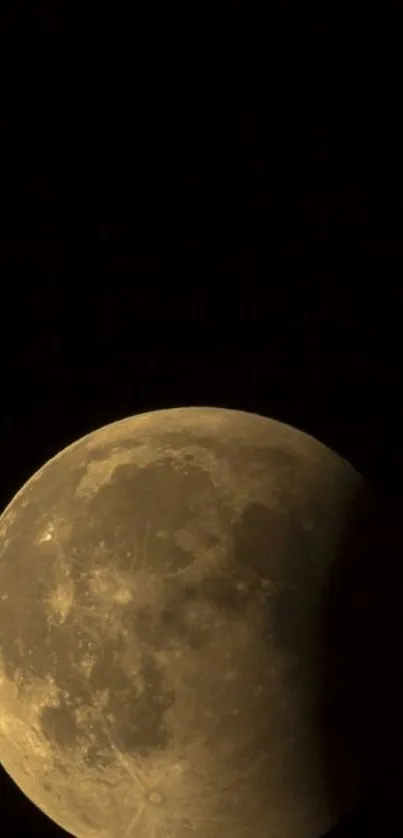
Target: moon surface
(161,591)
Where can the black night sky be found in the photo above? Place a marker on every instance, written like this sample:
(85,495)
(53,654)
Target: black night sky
(203,210)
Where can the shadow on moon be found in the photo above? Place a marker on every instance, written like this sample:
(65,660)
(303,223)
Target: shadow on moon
(362,692)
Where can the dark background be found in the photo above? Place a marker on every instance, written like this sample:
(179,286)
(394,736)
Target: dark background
(202,209)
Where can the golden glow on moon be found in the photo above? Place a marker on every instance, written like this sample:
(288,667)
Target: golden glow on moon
(161,582)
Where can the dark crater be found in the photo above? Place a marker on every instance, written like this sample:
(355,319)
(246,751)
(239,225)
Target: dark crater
(59,725)
(168,626)
(139,717)
(221,591)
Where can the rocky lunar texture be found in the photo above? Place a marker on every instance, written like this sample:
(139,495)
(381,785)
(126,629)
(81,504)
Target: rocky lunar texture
(161,653)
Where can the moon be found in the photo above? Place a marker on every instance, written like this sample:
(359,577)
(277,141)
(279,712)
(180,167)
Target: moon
(162,583)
